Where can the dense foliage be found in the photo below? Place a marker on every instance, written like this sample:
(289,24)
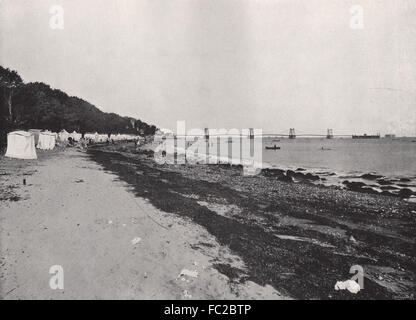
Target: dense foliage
(37,106)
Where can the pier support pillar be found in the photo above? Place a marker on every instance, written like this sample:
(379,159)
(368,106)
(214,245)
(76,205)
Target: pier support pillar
(329,134)
(292,134)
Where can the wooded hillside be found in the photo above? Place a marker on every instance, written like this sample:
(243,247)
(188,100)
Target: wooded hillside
(36,105)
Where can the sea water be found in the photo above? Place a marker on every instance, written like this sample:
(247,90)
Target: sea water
(341,159)
(385,164)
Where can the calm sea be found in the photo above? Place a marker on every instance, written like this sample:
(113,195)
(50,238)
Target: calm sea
(389,157)
(386,164)
(347,159)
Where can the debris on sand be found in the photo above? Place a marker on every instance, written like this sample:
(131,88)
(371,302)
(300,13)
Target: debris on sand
(136,241)
(313,241)
(351,285)
(186,294)
(352,239)
(189,273)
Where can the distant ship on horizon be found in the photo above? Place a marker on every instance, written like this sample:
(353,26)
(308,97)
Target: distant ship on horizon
(366,136)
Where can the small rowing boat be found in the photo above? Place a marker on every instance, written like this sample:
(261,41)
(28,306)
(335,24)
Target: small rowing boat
(273,148)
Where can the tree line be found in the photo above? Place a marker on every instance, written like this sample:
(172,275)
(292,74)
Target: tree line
(35,105)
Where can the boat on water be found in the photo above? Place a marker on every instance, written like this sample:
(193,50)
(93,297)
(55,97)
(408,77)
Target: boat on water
(276,140)
(366,136)
(273,148)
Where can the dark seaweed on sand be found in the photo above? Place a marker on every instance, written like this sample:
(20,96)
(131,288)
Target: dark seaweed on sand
(296,268)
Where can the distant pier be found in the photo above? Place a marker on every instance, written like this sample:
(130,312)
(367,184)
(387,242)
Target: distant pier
(291,135)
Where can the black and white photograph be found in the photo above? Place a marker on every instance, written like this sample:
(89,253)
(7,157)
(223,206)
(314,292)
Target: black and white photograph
(184,151)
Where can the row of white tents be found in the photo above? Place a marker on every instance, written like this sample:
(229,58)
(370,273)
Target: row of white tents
(96,137)
(113,137)
(124,137)
(61,136)
(21,144)
(64,135)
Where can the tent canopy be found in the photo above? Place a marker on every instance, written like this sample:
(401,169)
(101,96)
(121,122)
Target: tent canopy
(46,141)
(21,145)
(75,136)
(63,135)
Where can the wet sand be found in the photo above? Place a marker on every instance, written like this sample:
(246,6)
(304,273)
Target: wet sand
(73,212)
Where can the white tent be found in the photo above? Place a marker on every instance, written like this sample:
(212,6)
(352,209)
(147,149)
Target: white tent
(103,138)
(89,136)
(121,137)
(21,145)
(46,141)
(76,136)
(63,135)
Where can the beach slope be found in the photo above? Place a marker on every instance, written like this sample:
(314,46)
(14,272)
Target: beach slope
(110,243)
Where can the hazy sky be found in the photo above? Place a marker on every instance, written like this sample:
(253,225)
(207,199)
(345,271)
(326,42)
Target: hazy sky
(266,64)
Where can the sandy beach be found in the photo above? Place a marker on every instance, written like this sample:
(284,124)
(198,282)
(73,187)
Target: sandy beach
(246,237)
(73,213)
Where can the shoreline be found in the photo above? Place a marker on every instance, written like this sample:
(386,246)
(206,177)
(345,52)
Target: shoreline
(283,231)
(403,187)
